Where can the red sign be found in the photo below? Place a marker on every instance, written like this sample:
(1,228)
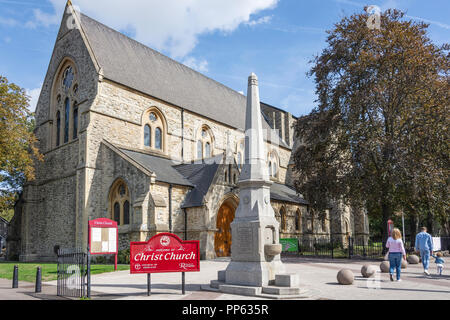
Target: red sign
(164,252)
(390,225)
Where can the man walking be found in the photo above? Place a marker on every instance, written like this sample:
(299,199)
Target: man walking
(424,244)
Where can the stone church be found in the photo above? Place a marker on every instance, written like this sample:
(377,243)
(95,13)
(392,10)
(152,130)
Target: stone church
(134,136)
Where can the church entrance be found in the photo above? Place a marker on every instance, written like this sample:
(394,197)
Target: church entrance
(222,239)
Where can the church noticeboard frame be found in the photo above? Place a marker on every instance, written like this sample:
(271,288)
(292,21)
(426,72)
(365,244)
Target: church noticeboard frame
(103,237)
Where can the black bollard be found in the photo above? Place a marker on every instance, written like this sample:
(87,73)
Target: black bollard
(15,283)
(38,287)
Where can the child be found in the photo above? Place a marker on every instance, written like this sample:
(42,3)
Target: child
(439,262)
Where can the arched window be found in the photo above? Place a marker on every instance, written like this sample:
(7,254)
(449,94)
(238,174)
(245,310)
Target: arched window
(117,212)
(147,135)
(64,93)
(126,212)
(207,150)
(75,121)
(154,129)
(66,119)
(158,138)
(204,143)
(199,150)
(120,203)
(58,128)
(272,162)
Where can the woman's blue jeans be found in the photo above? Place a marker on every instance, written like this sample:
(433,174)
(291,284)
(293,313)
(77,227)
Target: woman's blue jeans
(395,263)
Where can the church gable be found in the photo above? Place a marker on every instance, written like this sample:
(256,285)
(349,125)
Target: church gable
(70,48)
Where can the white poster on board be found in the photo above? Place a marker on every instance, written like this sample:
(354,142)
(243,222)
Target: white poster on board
(436,243)
(112,240)
(96,234)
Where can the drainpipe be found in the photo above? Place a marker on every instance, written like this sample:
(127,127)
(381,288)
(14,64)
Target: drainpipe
(182,135)
(170,208)
(185,224)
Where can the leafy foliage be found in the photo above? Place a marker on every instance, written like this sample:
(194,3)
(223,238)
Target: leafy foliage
(379,135)
(17,142)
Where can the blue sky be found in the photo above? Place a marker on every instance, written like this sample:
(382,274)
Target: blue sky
(224,39)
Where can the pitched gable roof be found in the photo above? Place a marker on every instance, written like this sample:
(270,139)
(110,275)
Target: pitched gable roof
(130,63)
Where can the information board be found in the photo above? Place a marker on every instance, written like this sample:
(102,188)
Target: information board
(103,236)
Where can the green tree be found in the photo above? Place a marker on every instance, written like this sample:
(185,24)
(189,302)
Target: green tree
(379,136)
(17,142)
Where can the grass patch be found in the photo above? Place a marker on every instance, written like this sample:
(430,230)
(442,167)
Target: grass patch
(27,271)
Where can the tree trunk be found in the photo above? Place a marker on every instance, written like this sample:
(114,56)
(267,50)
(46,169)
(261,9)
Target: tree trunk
(429,223)
(413,226)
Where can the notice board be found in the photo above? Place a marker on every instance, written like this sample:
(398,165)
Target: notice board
(103,236)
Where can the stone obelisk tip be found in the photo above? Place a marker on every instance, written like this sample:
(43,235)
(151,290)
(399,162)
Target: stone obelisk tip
(253,79)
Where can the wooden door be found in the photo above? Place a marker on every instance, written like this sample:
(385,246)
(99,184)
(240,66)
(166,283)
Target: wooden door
(222,240)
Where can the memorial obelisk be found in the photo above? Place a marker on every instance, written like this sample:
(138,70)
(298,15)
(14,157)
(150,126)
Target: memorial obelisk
(255,249)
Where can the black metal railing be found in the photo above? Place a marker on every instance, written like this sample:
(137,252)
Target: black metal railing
(359,247)
(72,271)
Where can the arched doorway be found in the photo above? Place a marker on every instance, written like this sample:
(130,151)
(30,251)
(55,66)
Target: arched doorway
(222,238)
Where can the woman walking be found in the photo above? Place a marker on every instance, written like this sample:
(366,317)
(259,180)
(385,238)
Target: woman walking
(396,253)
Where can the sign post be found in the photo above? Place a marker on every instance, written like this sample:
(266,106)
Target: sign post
(390,227)
(165,252)
(103,238)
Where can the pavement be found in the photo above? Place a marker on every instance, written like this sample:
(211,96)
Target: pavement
(317,278)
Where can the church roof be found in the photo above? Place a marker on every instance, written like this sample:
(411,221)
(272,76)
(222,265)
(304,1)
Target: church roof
(162,167)
(201,175)
(282,192)
(130,63)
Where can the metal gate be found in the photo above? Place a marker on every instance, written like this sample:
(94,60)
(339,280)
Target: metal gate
(72,272)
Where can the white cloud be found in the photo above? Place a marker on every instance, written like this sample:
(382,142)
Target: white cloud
(171,25)
(9,22)
(34,97)
(262,20)
(437,23)
(199,65)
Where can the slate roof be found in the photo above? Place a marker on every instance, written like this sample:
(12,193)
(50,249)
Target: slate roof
(282,192)
(162,167)
(201,176)
(128,62)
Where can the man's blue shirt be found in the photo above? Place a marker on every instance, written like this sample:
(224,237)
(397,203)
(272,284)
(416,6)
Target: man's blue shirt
(424,241)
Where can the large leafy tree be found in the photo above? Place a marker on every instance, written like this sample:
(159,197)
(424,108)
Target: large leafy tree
(17,142)
(379,137)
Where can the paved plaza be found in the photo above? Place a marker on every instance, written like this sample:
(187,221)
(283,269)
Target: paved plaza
(317,278)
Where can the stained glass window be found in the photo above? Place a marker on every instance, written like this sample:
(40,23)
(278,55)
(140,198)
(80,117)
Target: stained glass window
(152,116)
(68,78)
(75,122)
(147,135)
(158,138)
(199,150)
(126,212)
(117,212)
(207,150)
(66,120)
